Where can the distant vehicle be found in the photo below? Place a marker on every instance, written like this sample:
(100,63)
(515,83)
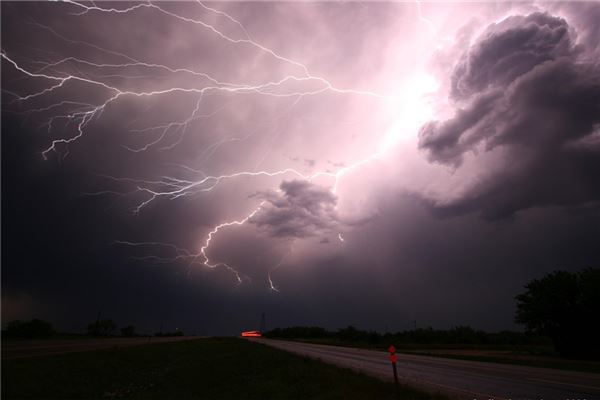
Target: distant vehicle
(251,334)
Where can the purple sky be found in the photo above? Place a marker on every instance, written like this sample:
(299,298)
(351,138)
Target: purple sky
(195,164)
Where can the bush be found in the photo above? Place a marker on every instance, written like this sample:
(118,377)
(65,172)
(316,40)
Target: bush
(34,329)
(128,331)
(564,306)
(103,327)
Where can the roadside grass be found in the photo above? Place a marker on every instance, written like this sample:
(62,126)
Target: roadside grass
(211,368)
(532,356)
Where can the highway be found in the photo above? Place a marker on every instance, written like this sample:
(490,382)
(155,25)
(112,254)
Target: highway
(35,348)
(458,378)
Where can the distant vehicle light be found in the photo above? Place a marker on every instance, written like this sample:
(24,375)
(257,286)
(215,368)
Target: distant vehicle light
(251,334)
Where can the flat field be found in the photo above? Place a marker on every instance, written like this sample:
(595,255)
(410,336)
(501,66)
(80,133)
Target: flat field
(209,368)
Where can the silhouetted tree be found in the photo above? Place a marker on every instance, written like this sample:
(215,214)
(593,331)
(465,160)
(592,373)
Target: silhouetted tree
(103,327)
(34,329)
(298,332)
(350,333)
(128,331)
(564,306)
(169,334)
(421,336)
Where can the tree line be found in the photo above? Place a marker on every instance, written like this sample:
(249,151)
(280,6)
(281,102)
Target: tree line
(458,335)
(562,308)
(40,329)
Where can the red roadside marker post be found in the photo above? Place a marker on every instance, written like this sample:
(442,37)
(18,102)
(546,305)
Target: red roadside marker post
(394,360)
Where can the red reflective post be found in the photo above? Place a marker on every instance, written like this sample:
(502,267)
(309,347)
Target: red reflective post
(394,360)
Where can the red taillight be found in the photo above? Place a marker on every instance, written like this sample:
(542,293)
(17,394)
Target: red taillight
(251,334)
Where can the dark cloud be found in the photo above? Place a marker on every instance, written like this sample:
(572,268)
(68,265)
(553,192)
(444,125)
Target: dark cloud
(310,163)
(448,140)
(299,209)
(509,49)
(395,266)
(522,90)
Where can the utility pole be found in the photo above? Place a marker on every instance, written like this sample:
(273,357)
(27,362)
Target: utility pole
(96,329)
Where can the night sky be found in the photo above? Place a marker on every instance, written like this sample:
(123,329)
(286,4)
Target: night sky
(192,165)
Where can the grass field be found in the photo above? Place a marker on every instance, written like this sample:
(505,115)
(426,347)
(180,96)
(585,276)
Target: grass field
(215,368)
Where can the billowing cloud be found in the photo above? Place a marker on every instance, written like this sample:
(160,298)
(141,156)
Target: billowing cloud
(522,90)
(152,200)
(299,209)
(509,49)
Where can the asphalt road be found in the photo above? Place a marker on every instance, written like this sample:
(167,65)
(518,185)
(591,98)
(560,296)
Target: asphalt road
(34,348)
(460,378)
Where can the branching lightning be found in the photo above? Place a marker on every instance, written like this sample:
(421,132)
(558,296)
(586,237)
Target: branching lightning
(422,18)
(82,114)
(272,286)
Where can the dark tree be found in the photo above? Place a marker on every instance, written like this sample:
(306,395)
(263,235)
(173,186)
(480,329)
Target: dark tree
(34,329)
(103,327)
(564,306)
(128,331)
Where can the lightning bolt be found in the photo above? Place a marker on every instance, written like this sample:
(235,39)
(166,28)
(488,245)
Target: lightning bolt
(82,114)
(272,286)
(428,22)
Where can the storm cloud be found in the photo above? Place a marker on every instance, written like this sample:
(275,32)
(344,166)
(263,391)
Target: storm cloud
(299,209)
(287,144)
(525,90)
